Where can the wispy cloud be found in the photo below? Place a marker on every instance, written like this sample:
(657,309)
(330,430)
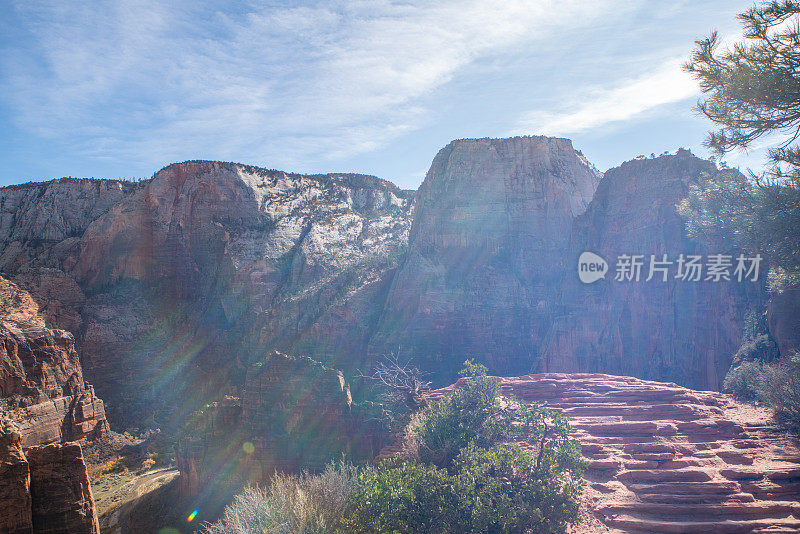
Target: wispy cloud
(279,85)
(622,101)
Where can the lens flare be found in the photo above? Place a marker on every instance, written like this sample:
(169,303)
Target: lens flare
(192,515)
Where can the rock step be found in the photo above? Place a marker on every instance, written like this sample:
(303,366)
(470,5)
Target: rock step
(671,412)
(755,510)
(770,490)
(636,524)
(665,475)
(788,475)
(688,488)
(708,498)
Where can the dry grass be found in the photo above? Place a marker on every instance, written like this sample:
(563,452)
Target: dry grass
(305,503)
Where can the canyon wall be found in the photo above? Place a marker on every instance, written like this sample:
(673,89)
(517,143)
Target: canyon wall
(175,286)
(486,255)
(205,263)
(665,328)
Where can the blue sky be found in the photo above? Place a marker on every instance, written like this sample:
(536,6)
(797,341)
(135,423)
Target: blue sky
(120,89)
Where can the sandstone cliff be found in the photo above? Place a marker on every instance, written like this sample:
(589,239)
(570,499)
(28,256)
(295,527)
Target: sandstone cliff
(208,256)
(43,490)
(486,254)
(671,330)
(41,379)
(174,286)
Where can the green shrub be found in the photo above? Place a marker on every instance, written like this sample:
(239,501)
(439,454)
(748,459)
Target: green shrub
(477,413)
(776,385)
(506,489)
(500,489)
(404,496)
(744,381)
(780,389)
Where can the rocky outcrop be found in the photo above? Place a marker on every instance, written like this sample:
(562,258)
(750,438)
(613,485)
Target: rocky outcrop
(663,458)
(293,414)
(41,223)
(783,317)
(43,490)
(669,330)
(41,379)
(486,254)
(15,482)
(61,496)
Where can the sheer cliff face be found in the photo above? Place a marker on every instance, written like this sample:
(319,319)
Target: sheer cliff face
(41,378)
(174,286)
(671,330)
(189,276)
(41,222)
(486,255)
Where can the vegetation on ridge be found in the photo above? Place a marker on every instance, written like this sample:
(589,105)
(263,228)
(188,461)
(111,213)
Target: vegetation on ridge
(753,90)
(475,461)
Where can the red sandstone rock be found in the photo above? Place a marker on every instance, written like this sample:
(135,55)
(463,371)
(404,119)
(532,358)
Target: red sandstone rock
(219,261)
(41,374)
(43,490)
(61,495)
(15,480)
(783,315)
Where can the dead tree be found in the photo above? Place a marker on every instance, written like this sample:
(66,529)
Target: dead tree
(405,384)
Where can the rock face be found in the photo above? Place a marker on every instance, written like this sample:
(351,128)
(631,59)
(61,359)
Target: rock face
(663,458)
(783,315)
(41,223)
(174,286)
(293,414)
(486,253)
(15,483)
(671,330)
(43,490)
(61,496)
(41,378)
(172,273)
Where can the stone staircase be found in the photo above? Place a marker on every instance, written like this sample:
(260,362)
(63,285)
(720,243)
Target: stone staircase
(663,458)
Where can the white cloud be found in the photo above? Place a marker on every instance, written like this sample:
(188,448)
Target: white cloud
(282,86)
(624,100)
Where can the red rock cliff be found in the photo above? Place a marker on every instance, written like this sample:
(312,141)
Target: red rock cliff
(41,379)
(43,490)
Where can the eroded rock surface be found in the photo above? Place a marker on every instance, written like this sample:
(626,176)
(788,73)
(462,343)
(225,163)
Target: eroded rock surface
(61,496)
(172,285)
(43,489)
(172,273)
(487,253)
(668,330)
(784,320)
(664,458)
(15,482)
(41,379)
